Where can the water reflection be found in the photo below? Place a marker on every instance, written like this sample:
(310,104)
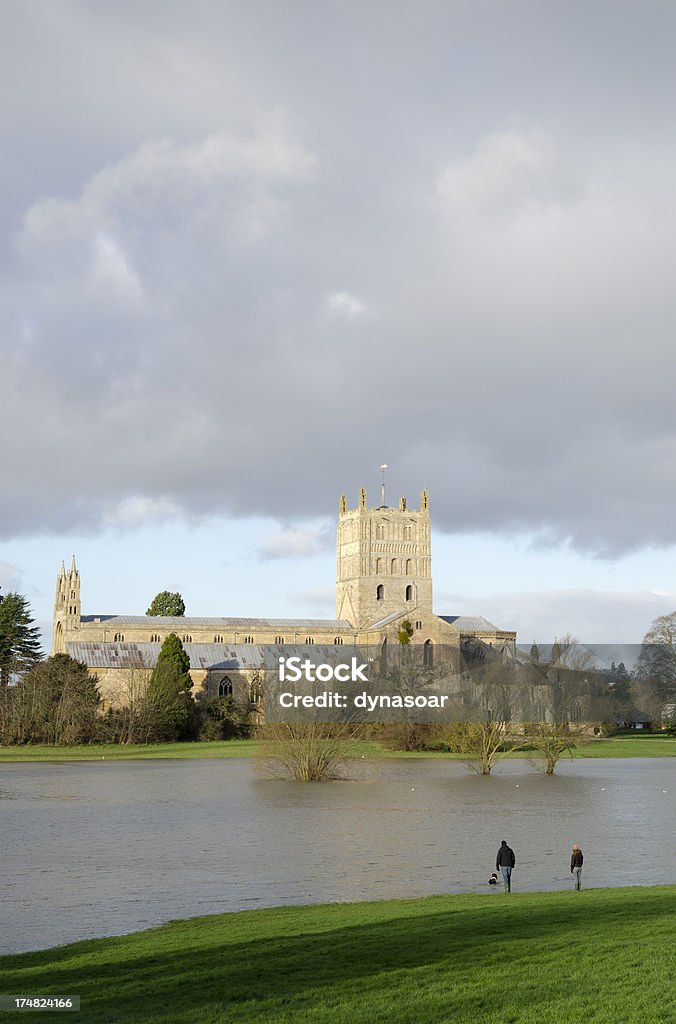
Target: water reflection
(98,849)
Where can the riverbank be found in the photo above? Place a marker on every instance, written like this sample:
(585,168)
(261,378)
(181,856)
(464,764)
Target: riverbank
(603,956)
(653,745)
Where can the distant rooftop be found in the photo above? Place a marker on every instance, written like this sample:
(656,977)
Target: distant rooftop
(471,624)
(202,656)
(222,623)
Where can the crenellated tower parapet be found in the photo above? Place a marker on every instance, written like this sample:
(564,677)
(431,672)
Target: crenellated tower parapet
(384,561)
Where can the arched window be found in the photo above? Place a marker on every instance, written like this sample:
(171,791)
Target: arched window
(248,639)
(380,531)
(410,592)
(409,566)
(279,639)
(379,566)
(428,654)
(255,692)
(225,687)
(394,567)
(380,592)
(119,638)
(218,639)
(408,534)
(418,624)
(309,639)
(338,641)
(186,638)
(155,638)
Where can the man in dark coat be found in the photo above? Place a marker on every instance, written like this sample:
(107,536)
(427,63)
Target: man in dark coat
(504,862)
(576,862)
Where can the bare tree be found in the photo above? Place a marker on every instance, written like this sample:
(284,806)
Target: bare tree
(655,681)
(485,727)
(306,751)
(55,702)
(302,744)
(483,743)
(551,741)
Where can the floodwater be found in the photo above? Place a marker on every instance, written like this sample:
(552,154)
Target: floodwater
(92,849)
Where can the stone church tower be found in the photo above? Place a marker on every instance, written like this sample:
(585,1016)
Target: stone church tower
(67,608)
(383,561)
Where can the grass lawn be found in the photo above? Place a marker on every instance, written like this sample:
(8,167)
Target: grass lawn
(603,956)
(621,746)
(650,745)
(132,751)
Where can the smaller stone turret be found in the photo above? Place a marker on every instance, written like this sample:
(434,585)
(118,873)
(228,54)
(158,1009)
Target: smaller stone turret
(67,607)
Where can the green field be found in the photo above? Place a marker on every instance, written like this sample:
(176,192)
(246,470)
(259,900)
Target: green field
(131,751)
(622,746)
(603,956)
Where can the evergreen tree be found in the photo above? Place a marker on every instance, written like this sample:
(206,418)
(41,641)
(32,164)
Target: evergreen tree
(166,603)
(169,691)
(19,638)
(405,633)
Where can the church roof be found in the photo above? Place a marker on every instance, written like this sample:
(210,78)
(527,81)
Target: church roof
(202,656)
(471,624)
(222,623)
(392,617)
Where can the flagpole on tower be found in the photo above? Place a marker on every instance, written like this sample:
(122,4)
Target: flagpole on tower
(382,486)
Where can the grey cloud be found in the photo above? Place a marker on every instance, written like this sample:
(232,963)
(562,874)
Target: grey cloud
(259,254)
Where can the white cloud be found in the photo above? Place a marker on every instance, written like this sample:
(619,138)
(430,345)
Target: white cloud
(296,542)
(508,171)
(138,510)
(10,578)
(346,305)
(319,603)
(112,270)
(593,616)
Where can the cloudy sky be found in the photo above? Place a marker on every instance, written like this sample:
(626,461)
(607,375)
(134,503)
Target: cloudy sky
(249,251)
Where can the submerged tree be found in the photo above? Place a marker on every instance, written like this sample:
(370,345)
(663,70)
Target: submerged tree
(485,725)
(482,743)
(306,751)
(551,740)
(303,744)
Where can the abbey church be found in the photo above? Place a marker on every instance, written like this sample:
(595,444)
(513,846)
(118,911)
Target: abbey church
(383,584)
